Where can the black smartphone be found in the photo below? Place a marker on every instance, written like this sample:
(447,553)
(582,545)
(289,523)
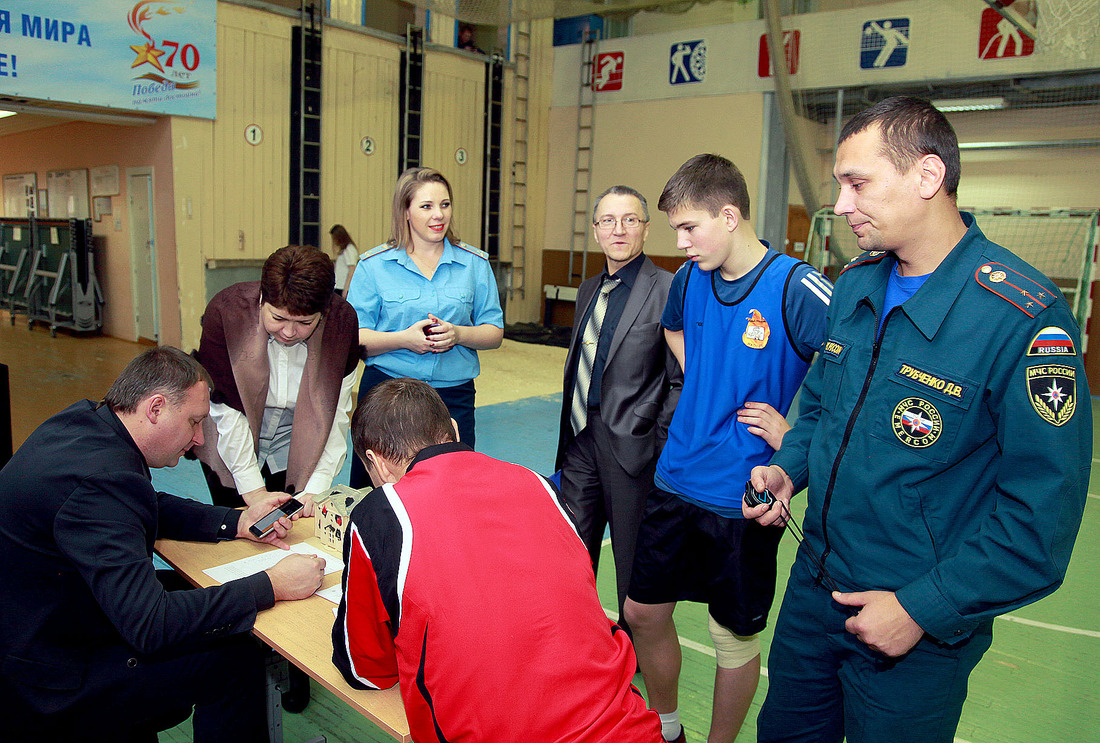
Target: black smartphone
(264,526)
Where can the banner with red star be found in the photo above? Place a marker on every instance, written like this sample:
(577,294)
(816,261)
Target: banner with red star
(156,56)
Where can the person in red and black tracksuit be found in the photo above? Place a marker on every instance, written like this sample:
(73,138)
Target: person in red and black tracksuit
(466,583)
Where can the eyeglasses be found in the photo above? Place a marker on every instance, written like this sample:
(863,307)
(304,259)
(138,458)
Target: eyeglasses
(629,222)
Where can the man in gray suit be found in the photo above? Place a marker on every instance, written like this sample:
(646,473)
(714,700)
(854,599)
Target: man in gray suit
(621,385)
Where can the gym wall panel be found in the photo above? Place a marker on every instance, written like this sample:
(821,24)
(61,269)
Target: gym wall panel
(361,99)
(641,144)
(250,189)
(231,197)
(454,118)
(192,143)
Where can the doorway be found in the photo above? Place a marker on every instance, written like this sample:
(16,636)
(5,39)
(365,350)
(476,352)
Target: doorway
(143,253)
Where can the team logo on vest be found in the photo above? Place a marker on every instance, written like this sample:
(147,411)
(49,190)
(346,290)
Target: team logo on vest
(1052,341)
(757,331)
(916,422)
(1052,389)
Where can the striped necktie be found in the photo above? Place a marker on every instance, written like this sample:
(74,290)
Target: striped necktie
(578,414)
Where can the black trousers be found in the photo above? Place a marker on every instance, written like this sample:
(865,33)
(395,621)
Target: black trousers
(127,696)
(600,492)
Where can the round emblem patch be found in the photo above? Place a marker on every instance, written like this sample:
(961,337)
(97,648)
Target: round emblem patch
(998,276)
(916,422)
(757,331)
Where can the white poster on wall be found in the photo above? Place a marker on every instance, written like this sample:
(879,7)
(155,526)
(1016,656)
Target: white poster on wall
(68,194)
(104,180)
(20,192)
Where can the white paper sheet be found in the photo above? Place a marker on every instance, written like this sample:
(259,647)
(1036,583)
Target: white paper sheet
(251,565)
(332,593)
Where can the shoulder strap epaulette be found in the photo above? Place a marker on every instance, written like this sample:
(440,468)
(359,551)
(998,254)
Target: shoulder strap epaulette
(377,250)
(471,249)
(1022,292)
(863,259)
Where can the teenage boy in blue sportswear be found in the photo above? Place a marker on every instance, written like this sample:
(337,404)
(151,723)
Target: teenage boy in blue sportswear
(744,322)
(945,436)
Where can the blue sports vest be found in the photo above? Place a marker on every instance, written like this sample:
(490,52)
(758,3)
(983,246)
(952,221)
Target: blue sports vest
(734,353)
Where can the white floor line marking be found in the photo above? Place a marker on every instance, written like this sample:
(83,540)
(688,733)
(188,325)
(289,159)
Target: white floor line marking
(1055,627)
(1093,495)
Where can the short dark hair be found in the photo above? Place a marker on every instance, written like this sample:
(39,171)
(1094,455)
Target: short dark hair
(162,370)
(398,418)
(706,182)
(298,279)
(621,191)
(911,128)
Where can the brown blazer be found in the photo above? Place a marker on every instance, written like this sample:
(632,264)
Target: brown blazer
(233,349)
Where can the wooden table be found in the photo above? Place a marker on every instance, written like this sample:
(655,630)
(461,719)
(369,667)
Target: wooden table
(301,631)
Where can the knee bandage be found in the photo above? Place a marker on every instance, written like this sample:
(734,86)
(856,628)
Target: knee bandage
(732,651)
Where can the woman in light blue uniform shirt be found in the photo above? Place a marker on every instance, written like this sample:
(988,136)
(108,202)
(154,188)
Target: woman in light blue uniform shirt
(427,302)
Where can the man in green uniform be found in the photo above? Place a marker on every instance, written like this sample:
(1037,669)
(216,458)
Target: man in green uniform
(945,436)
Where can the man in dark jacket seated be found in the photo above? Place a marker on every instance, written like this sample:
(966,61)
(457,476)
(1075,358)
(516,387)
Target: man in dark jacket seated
(93,645)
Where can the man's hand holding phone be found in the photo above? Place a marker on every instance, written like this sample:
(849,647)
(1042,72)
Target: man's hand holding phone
(268,520)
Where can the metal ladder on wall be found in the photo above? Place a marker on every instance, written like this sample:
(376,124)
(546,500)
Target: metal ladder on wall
(494,141)
(521,56)
(582,163)
(412,99)
(305,126)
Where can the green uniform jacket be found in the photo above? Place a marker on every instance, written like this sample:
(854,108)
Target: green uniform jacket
(949,460)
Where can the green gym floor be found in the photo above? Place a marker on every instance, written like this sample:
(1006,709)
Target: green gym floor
(1037,684)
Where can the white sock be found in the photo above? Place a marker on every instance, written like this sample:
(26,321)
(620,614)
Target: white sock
(670,725)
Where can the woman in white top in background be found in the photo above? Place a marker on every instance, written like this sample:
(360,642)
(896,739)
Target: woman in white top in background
(344,257)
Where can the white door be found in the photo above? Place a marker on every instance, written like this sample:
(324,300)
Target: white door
(143,253)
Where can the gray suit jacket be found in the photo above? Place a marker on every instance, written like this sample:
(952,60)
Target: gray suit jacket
(642,379)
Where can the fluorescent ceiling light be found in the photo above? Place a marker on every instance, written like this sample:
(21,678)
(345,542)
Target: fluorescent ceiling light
(6,114)
(970,104)
(79,115)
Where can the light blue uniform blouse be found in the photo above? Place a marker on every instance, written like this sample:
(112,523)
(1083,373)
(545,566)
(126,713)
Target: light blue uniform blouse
(389,293)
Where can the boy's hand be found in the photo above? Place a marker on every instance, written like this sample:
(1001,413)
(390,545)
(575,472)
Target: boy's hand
(764,421)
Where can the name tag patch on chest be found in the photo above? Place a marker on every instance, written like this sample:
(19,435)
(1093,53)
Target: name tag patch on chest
(1052,389)
(935,382)
(833,349)
(916,422)
(757,331)
(1052,341)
